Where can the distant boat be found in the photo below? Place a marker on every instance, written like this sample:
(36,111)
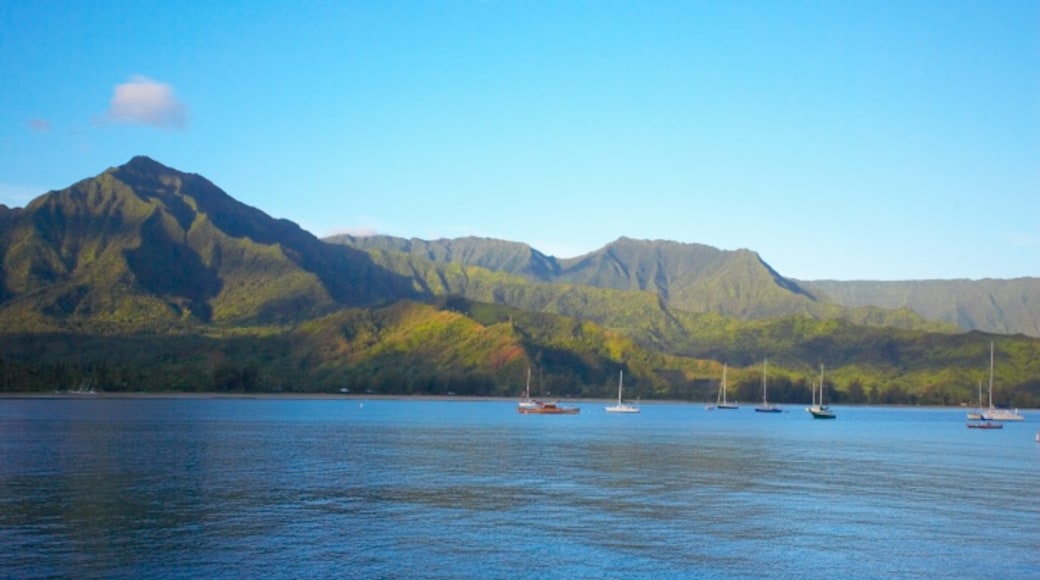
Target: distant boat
(622,407)
(548,408)
(984,425)
(993,413)
(722,403)
(529,406)
(766,406)
(527,402)
(819,410)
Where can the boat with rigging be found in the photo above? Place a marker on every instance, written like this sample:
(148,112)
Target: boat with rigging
(526,402)
(622,407)
(995,413)
(766,406)
(721,402)
(819,410)
(529,406)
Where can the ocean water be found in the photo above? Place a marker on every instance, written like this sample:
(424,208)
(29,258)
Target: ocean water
(244,488)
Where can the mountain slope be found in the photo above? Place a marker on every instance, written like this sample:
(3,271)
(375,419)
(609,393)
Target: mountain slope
(689,277)
(495,255)
(698,278)
(146,278)
(692,277)
(145,244)
(999,306)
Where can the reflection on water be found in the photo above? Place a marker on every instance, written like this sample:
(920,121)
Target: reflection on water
(473,489)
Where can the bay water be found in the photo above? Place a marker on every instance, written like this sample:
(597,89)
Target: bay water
(281,487)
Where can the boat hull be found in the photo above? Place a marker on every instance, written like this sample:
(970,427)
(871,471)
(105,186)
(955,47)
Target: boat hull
(821,413)
(1002,415)
(622,409)
(986,425)
(552,412)
(768,410)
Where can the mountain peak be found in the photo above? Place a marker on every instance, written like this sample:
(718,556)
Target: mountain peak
(141,165)
(144,163)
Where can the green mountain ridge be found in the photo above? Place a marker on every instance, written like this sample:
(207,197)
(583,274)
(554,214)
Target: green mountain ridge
(145,277)
(699,278)
(143,243)
(1000,306)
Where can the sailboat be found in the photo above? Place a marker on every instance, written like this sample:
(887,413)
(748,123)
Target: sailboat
(766,406)
(622,407)
(527,402)
(722,403)
(819,410)
(529,406)
(994,414)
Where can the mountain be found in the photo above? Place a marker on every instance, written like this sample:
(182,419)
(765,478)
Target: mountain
(699,278)
(495,255)
(146,244)
(689,277)
(147,278)
(999,306)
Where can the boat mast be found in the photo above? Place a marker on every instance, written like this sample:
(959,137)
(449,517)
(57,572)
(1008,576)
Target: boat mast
(620,380)
(991,374)
(821,385)
(723,384)
(764,402)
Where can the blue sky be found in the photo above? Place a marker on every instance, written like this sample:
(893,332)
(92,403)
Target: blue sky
(839,140)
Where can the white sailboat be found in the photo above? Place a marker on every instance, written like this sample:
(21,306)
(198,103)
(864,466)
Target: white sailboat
(622,407)
(993,413)
(819,410)
(722,403)
(527,402)
(766,406)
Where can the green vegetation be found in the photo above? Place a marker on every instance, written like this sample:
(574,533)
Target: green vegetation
(145,278)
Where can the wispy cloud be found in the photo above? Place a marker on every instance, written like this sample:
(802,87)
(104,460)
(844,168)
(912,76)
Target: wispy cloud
(143,101)
(38,125)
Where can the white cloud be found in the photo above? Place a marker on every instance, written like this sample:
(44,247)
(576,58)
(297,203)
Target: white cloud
(142,101)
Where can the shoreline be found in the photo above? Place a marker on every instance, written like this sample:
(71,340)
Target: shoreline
(67,395)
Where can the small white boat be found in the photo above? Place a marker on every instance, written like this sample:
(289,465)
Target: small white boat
(622,407)
(527,403)
(722,403)
(819,410)
(766,406)
(993,413)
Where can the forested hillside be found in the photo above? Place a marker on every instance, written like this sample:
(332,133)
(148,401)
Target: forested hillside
(699,278)
(145,278)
